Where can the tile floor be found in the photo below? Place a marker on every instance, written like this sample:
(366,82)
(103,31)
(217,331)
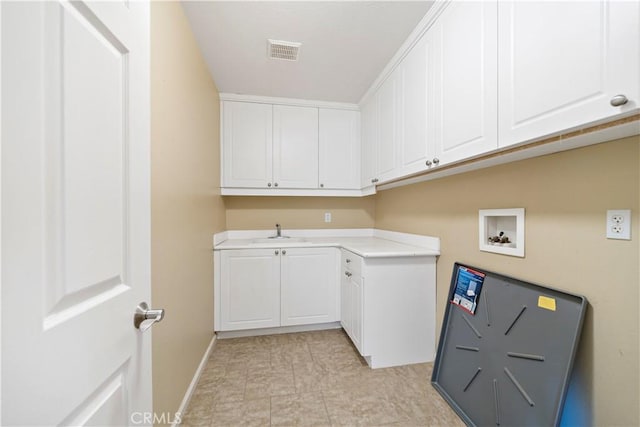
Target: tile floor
(311,378)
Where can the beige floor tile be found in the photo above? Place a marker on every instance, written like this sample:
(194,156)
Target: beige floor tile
(292,352)
(200,410)
(308,377)
(306,409)
(361,407)
(338,360)
(246,413)
(311,378)
(271,381)
(229,388)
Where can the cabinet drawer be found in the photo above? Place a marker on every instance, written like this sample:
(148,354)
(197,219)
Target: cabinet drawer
(352,262)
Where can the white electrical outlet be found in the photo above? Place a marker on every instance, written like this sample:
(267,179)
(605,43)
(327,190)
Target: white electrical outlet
(327,217)
(619,224)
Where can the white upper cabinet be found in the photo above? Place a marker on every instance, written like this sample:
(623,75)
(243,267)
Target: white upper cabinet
(369,147)
(247,144)
(295,147)
(562,63)
(387,128)
(466,81)
(339,149)
(416,107)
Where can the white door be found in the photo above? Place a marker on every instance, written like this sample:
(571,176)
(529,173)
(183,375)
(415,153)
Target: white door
(561,64)
(466,81)
(295,147)
(339,149)
(387,128)
(416,124)
(75,213)
(345,301)
(249,289)
(247,145)
(357,313)
(309,285)
(369,143)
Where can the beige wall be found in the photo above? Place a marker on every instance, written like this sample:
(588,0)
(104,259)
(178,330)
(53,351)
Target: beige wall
(566,196)
(257,213)
(185,206)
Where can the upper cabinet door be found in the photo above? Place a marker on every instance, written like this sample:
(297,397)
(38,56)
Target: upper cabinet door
(387,127)
(369,144)
(466,80)
(246,144)
(561,63)
(415,121)
(295,147)
(339,149)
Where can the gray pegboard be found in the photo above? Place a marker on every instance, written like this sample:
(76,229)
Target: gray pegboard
(509,363)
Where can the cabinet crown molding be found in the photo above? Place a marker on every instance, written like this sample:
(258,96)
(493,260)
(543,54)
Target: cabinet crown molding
(288,101)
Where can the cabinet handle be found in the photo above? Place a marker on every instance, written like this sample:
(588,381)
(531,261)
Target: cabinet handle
(348,261)
(269,184)
(436,161)
(275,185)
(284,252)
(374,180)
(346,273)
(428,163)
(619,100)
(277,252)
(321,185)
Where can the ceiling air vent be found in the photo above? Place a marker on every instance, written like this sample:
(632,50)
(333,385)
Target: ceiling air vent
(278,49)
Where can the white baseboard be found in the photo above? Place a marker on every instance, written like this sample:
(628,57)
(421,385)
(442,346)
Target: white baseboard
(280,330)
(194,382)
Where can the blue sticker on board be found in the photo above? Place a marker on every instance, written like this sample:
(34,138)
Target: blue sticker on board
(468,286)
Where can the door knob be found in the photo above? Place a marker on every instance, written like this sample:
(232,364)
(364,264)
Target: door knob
(145,317)
(428,163)
(618,100)
(436,161)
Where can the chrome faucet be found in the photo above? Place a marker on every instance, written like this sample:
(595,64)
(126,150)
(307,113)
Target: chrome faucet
(278,231)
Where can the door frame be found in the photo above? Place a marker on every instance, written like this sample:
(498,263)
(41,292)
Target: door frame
(0,212)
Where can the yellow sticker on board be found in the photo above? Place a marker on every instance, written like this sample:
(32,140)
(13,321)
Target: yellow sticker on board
(546,302)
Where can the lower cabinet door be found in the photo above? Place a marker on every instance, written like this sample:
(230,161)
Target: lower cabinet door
(309,286)
(345,302)
(249,289)
(357,315)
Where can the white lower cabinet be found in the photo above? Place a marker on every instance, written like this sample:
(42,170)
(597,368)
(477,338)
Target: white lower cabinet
(309,286)
(249,289)
(385,304)
(262,288)
(351,299)
(389,308)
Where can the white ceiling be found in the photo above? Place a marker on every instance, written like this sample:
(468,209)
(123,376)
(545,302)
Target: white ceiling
(345,44)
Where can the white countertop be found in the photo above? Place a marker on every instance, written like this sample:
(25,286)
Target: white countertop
(366,243)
